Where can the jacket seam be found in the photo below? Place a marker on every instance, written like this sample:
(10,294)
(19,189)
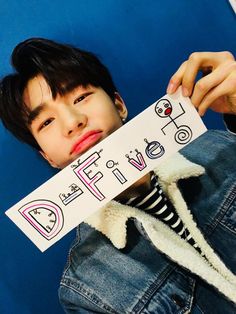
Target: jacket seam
(156,284)
(228,200)
(75,243)
(87,295)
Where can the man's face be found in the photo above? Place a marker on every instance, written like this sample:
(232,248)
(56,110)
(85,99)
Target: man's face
(69,125)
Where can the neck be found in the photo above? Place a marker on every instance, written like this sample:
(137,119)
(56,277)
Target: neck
(136,189)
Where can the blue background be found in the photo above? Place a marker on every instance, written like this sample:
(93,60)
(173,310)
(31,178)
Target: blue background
(142,42)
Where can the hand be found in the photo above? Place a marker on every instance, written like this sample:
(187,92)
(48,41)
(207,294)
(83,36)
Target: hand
(216,89)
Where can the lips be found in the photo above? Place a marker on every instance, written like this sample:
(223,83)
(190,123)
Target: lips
(86,141)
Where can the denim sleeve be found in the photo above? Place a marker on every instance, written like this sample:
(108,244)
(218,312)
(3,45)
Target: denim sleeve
(78,311)
(75,303)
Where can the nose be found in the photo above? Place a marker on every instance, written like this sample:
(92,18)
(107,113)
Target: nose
(72,121)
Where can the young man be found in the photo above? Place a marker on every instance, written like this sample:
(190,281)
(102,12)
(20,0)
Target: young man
(166,245)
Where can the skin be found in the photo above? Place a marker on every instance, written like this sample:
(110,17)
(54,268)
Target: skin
(216,89)
(64,120)
(58,124)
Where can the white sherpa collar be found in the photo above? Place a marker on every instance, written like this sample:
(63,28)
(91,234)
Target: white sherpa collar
(112,218)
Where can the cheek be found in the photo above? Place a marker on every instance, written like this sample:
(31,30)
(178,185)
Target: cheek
(108,118)
(50,145)
(49,137)
(113,123)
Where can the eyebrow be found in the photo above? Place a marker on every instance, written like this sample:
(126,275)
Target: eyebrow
(36,112)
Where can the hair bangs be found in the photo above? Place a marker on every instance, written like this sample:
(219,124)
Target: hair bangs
(65,80)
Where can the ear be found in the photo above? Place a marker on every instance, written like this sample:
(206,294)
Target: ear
(120,106)
(51,162)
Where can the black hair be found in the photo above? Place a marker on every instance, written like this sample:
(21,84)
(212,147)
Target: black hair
(64,67)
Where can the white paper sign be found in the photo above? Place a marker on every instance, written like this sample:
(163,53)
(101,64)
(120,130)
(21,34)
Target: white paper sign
(107,169)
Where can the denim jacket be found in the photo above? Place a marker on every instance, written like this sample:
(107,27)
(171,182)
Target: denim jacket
(126,261)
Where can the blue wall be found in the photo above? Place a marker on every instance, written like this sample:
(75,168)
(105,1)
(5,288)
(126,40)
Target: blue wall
(143,42)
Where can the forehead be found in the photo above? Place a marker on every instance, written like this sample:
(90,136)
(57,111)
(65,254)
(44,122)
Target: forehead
(36,92)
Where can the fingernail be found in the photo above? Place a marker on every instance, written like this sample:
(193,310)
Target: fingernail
(170,88)
(185,92)
(201,112)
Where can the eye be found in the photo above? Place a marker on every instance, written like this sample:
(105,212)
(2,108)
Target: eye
(160,110)
(166,105)
(45,123)
(81,98)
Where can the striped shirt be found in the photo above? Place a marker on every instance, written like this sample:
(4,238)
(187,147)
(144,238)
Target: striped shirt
(155,203)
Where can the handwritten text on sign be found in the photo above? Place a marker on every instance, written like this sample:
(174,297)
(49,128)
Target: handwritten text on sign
(107,169)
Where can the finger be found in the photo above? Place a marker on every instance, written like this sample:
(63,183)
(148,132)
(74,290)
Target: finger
(226,88)
(202,61)
(176,79)
(205,84)
(196,62)
(187,72)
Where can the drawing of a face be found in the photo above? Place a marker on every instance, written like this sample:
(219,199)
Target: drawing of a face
(163,108)
(68,125)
